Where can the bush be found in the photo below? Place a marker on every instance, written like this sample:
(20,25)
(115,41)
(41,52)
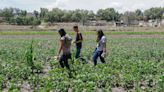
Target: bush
(36,22)
(27,21)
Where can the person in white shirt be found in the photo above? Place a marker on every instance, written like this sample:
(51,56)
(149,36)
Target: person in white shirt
(100,50)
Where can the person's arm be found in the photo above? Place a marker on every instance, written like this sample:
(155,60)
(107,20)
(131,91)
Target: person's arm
(61,47)
(81,38)
(104,50)
(104,47)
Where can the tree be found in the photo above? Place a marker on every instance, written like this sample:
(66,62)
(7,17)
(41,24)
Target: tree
(108,14)
(76,16)
(50,17)
(67,16)
(36,14)
(23,13)
(20,20)
(1,12)
(139,14)
(154,13)
(58,13)
(91,15)
(36,22)
(43,12)
(84,16)
(7,13)
(18,16)
(17,11)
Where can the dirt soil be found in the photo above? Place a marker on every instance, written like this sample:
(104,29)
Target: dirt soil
(52,37)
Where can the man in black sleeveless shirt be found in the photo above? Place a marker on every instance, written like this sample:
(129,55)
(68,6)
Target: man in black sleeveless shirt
(78,41)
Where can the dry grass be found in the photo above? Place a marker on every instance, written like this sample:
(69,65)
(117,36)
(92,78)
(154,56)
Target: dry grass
(83,28)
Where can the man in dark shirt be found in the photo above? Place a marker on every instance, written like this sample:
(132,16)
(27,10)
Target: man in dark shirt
(78,41)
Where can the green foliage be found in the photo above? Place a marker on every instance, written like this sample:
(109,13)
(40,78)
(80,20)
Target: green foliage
(36,14)
(43,12)
(36,22)
(134,64)
(24,20)
(59,15)
(154,13)
(29,56)
(27,21)
(2,82)
(108,14)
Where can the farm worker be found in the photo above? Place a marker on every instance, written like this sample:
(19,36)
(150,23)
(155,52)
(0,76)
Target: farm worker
(78,41)
(100,50)
(65,47)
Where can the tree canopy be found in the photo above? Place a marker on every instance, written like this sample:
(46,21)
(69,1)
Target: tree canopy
(22,17)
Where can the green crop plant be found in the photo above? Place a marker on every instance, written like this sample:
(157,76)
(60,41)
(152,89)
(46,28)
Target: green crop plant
(132,64)
(29,56)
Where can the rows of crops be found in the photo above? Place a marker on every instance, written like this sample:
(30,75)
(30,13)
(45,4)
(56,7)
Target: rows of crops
(135,64)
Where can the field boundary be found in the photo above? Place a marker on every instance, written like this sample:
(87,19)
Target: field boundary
(84,32)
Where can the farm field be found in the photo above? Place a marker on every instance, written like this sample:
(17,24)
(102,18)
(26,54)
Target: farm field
(135,62)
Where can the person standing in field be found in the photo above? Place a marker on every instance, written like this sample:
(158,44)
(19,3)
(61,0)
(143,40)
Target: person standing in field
(78,41)
(65,47)
(100,50)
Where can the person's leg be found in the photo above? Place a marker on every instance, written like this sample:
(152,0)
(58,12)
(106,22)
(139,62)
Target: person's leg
(95,56)
(66,64)
(66,61)
(78,50)
(61,61)
(95,50)
(101,58)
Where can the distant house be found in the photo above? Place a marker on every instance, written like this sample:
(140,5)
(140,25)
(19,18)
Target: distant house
(121,23)
(96,23)
(1,19)
(30,14)
(101,23)
(134,22)
(154,23)
(126,22)
(162,22)
(142,24)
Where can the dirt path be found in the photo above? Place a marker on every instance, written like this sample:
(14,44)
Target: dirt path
(25,87)
(46,69)
(137,36)
(53,37)
(118,89)
(26,37)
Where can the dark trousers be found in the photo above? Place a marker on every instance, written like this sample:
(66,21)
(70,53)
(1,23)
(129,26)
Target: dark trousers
(64,60)
(78,51)
(97,54)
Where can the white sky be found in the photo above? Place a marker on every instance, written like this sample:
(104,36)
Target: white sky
(119,5)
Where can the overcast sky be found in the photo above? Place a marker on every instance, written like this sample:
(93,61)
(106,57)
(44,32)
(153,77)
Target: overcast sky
(119,5)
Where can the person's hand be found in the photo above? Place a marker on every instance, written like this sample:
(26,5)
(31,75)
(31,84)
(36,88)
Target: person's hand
(73,41)
(56,57)
(103,55)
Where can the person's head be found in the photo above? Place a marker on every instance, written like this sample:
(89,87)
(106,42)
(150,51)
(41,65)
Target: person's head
(100,34)
(75,28)
(62,32)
